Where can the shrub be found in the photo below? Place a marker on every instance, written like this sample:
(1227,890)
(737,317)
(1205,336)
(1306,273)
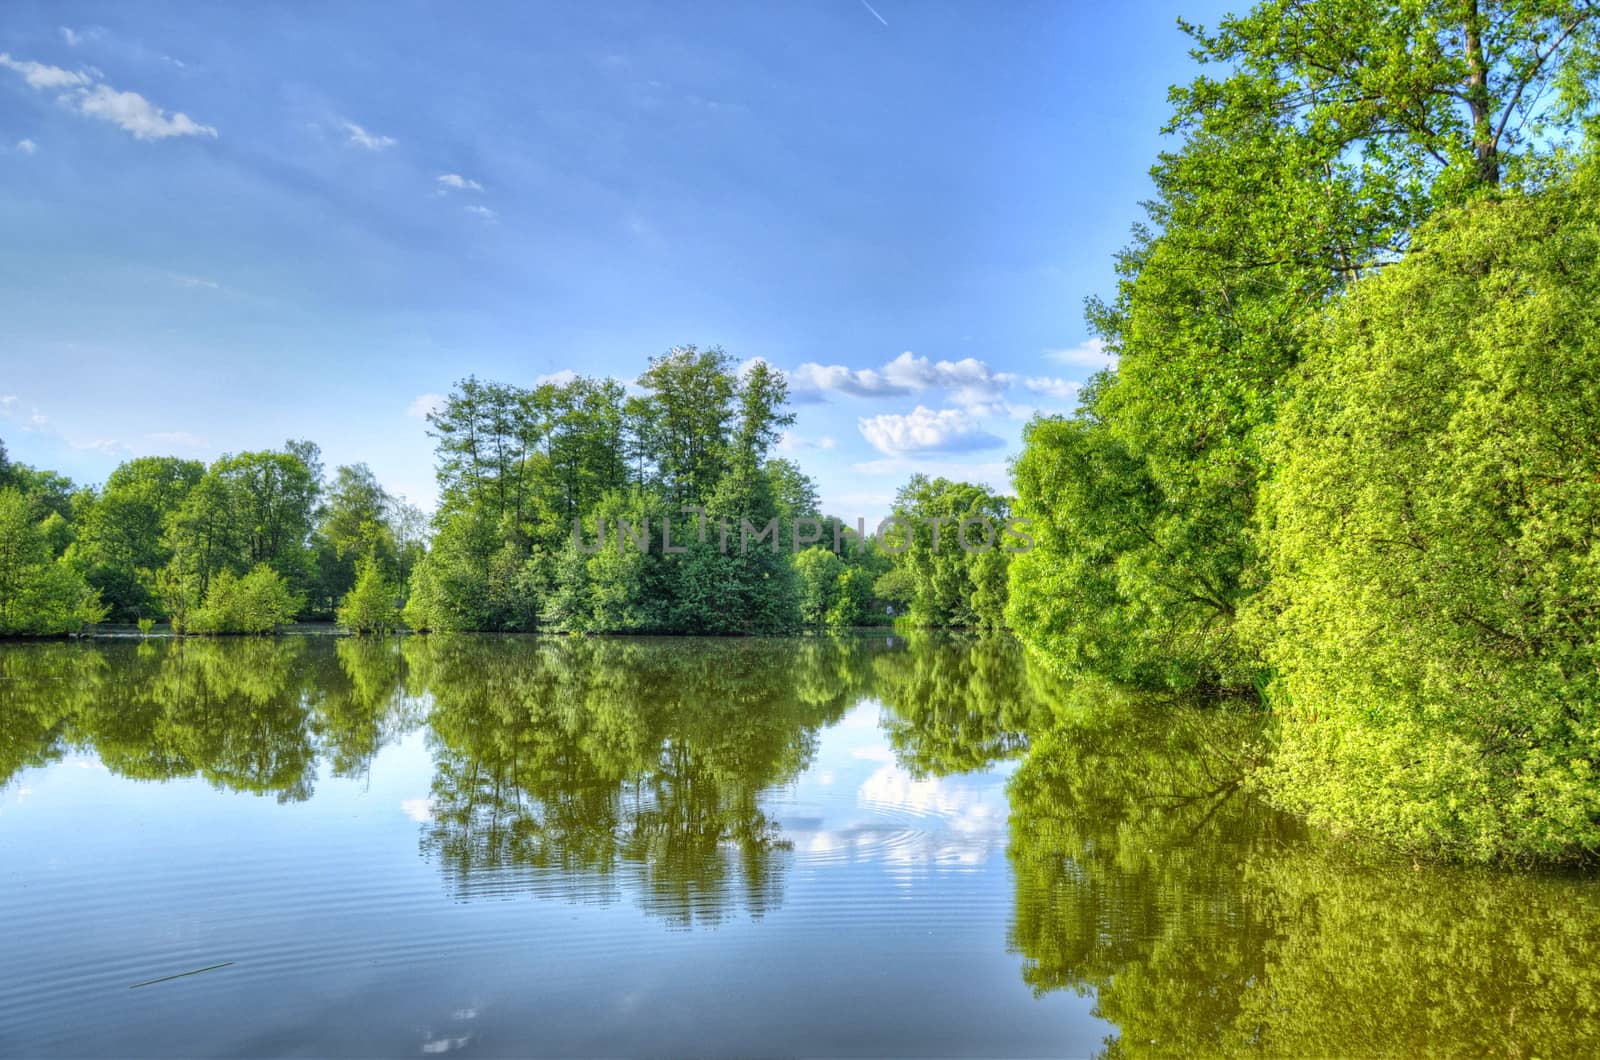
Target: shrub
(259,602)
(369,606)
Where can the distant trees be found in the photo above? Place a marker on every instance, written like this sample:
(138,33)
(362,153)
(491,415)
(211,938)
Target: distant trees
(570,506)
(258,602)
(122,540)
(954,541)
(519,467)
(40,592)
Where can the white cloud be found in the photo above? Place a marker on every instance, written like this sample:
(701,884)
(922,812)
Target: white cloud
(1091,355)
(133,113)
(969,381)
(371,141)
(181,439)
(458,182)
(199,281)
(419,810)
(423,404)
(11,408)
(791,442)
(106,446)
(482,211)
(128,111)
(925,431)
(561,378)
(38,75)
(27,147)
(72,37)
(1065,389)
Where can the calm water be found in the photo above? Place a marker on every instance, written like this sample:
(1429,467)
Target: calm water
(864,846)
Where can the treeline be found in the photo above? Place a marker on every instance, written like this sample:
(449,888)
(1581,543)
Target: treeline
(1349,456)
(578,507)
(569,507)
(251,543)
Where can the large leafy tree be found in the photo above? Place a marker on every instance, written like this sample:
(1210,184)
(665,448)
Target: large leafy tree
(121,543)
(1336,126)
(1435,603)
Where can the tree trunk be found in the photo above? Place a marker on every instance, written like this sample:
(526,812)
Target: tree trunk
(1485,149)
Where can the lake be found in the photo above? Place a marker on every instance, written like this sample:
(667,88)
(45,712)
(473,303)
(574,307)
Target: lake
(858,846)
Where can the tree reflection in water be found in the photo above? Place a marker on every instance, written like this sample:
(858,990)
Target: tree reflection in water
(1146,874)
(1207,924)
(594,757)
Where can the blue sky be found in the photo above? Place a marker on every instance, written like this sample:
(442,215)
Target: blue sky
(226,225)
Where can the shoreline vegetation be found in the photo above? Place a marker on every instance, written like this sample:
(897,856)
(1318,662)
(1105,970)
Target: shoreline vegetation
(1347,463)
(528,478)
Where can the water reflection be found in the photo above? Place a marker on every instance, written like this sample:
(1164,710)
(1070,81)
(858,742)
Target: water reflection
(659,773)
(1206,924)
(592,756)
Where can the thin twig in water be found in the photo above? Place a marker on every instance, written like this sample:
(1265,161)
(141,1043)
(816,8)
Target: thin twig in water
(180,975)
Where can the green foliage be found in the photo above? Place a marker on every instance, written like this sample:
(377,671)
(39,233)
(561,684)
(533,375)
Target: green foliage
(369,607)
(817,573)
(1099,535)
(259,602)
(145,626)
(247,511)
(1433,612)
(952,542)
(1337,126)
(121,541)
(518,467)
(40,594)
(852,600)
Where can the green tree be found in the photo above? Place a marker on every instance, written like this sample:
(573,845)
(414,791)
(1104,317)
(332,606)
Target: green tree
(1432,618)
(40,594)
(817,573)
(354,526)
(122,539)
(852,600)
(369,607)
(945,529)
(1337,127)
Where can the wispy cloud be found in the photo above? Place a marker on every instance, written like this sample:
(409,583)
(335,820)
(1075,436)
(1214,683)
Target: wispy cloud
(71,36)
(791,442)
(198,282)
(129,111)
(133,113)
(1065,389)
(105,446)
(874,11)
(371,141)
(456,182)
(423,404)
(178,439)
(925,431)
(1090,354)
(39,75)
(31,419)
(483,212)
(27,147)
